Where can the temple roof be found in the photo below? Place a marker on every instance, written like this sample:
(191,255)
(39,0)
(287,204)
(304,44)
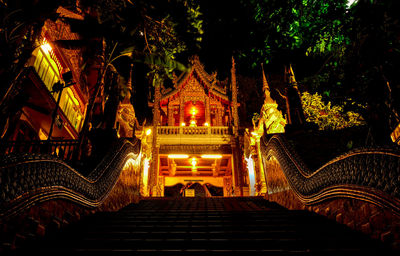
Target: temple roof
(209,82)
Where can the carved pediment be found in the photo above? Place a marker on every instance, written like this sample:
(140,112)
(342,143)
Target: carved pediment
(193,87)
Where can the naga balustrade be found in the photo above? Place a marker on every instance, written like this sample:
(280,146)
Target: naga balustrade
(42,187)
(27,178)
(360,188)
(62,149)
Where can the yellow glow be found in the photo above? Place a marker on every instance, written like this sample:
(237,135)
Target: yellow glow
(206,124)
(194,111)
(192,122)
(146,167)
(211,156)
(148,132)
(250,168)
(194,161)
(178,156)
(46,47)
(129,163)
(183,124)
(254,133)
(72,96)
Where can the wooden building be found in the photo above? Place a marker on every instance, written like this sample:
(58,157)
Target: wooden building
(196,139)
(34,88)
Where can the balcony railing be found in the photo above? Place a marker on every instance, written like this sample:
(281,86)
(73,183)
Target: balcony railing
(185,130)
(62,149)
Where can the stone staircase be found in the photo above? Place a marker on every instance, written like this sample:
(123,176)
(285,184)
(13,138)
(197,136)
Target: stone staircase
(205,226)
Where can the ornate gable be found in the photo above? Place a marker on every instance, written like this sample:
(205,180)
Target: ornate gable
(193,86)
(197,99)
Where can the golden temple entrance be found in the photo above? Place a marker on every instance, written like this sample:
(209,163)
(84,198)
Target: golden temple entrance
(187,172)
(195,140)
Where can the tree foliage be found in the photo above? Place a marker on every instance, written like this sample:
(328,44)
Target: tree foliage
(326,115)
(304,27)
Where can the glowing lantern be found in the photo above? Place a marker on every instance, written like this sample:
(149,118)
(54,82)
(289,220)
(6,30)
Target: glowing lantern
(148,132)
(194,163)
(178,156)
(46,47)
(211,156)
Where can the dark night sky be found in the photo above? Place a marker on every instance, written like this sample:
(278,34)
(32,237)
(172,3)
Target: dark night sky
(225,29)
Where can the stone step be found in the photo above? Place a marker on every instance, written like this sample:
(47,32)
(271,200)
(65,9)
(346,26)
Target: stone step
(139,230)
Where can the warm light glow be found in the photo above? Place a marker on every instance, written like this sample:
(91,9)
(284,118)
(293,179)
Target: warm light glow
(194,163)
(72,96)
(46,47)
(183,124)
(193,123)
(194,111)
(178,156)
(148,132)
(250,168)
(206,124)
(130,162)
(211,156)
(146,167)
(254,133)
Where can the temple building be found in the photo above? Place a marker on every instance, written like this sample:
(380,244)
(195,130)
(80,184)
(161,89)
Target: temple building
(42,111)
(194,140)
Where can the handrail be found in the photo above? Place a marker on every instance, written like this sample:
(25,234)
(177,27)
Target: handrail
(365,174)
(62,149)
(188,130)
(30,178)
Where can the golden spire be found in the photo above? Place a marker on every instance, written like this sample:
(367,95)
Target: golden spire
(266,90)
(234,94)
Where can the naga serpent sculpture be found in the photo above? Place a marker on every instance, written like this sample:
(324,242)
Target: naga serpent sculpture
(27,179)
(368,174)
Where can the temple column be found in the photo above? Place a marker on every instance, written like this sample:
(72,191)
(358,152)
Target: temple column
(155,150)
(235,114)
(261,169)
(219,115)
(208,117)
(237,170)
(170,115)
(181,110)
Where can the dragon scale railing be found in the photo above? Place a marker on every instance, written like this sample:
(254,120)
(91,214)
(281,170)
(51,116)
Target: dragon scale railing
(27,179)
(371,175)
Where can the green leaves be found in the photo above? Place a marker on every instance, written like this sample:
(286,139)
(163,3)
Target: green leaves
(328,116)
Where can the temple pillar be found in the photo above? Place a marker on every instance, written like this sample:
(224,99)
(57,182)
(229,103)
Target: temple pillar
(237,170)
(219,115)
(170,115)
(235,114)
(181,110)
(207,110)
(155,152)
(263,179)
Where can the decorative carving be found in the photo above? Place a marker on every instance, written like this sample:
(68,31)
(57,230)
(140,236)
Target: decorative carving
(43,177)
(234,95)
(228,188)
(356,174)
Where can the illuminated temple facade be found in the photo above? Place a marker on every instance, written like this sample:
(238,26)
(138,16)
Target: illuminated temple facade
(196,138)
(37,119)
